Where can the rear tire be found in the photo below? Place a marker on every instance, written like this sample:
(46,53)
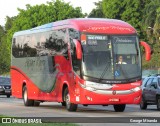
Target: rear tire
(158,103)
(36,103)
(119,108)
(143,104)
(69,106)
(27,102)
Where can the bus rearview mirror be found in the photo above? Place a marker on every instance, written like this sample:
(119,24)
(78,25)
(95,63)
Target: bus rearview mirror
(78,49)
(147,50)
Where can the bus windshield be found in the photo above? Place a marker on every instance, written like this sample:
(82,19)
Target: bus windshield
(112,58)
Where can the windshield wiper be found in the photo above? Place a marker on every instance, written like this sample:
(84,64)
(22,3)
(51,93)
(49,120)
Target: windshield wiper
(104,71)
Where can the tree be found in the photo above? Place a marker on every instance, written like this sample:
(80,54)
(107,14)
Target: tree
(97,12)
(126,10)
(113,8)
(4,55)
(5,46)
(151,23)
(2,32)
(9,22)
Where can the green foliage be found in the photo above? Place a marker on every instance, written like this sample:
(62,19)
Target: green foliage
(2,32)
(151,24)
(97,12)
(126,10)
(113,8)
(4,55)
(9,22)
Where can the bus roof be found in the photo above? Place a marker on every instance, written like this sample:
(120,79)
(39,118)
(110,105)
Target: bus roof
(91,25)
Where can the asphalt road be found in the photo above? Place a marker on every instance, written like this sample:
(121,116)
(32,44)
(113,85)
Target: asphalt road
(14,107)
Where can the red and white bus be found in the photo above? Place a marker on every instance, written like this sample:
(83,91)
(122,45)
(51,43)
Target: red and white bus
(75,61)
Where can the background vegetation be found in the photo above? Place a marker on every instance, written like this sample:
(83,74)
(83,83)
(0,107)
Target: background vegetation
(144,15)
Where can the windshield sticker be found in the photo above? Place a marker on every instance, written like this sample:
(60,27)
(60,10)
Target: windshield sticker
(83,42)
(97,37)
(117,73)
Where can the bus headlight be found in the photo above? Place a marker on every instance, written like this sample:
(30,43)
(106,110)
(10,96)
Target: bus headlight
(136,89)
(98,86)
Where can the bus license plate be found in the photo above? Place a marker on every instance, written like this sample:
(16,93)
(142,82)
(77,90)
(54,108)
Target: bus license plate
(114,100)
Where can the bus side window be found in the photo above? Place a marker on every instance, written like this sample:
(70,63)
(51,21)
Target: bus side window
(56,43)
(75,61)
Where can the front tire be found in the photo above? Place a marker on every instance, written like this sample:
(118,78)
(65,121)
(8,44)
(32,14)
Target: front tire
(158,103)
(143,104)
(36,103)
(119,108)
(8,96)
(27,102)
(63,103)
(69,106)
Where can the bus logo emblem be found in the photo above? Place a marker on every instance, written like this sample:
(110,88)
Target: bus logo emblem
(114,92)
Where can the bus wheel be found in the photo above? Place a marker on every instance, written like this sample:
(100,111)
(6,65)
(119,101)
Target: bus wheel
(158,103)
(63,103)
(143,104)
(119,108)
(36,103)
(8,96)
(27,102)
(70,106)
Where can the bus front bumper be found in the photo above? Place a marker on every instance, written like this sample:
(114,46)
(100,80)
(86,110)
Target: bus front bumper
(102,97)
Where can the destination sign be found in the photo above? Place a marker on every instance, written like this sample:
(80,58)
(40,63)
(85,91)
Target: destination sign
(97,37)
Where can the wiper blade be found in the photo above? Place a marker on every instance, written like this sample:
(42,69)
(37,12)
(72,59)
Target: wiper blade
(104,72)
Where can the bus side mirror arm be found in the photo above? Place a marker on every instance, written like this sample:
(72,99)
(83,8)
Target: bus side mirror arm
(147,50)
(78,49)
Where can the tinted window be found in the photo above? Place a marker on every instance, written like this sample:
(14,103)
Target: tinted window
(144,80)
(159,81)
(148,84)
(40,44)
(74,34)
(154,80)
(75,61)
